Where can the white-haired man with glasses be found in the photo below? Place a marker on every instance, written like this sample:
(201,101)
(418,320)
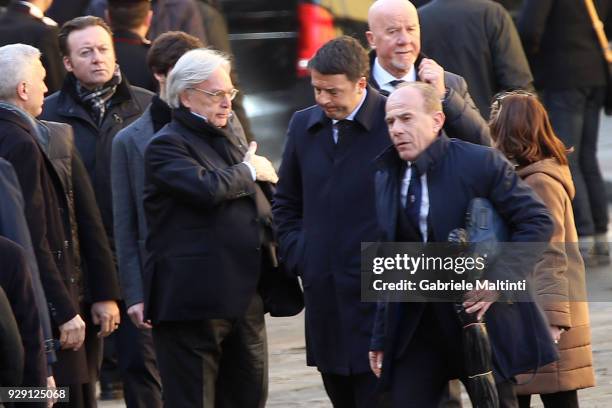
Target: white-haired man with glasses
(207,205)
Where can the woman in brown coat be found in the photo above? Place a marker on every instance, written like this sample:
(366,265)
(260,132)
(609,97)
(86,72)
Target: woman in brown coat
(521,130)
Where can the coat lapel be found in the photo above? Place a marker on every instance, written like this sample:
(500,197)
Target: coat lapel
(142,130)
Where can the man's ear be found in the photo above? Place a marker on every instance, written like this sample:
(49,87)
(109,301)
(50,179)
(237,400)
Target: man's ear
(21,91)
(362,83)
(439,119)
(67,63)
(370,38)
(185,99)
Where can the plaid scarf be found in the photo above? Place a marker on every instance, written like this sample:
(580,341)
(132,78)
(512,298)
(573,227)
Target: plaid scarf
(98,98)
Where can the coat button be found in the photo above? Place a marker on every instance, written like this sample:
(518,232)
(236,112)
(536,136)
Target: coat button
(72,280)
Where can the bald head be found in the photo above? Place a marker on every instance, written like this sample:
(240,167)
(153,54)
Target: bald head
(395,34)
(381,9)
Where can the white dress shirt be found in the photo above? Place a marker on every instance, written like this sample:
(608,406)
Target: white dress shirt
(383,78)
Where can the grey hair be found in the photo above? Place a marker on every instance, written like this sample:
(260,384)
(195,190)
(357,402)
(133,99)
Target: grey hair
(192,68)
(16,63)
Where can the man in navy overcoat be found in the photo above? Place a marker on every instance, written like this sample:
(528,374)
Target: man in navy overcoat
(324,209)
(419,345)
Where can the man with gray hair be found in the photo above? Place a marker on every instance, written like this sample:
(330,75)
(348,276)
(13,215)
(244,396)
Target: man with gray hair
(22,90)
(65,225)
(210,244)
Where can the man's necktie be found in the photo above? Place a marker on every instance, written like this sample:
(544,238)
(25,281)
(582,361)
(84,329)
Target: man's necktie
(397,82)
(413,198)
(343,128)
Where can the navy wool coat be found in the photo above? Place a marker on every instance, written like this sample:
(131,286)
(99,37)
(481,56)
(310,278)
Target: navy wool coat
(324,209)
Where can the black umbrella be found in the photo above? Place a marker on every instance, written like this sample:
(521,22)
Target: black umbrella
(477,359)
(478,363)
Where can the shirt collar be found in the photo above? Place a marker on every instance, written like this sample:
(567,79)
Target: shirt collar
(383,77)
(352,115)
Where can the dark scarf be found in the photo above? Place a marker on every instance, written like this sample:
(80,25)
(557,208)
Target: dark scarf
(161,114)
(232,151)
(222,140)
(96,100)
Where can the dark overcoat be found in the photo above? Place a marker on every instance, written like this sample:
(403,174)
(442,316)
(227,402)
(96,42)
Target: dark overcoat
(93,142)
(484,172)
(478,40)
(46,211)
(204,238)
(324,209)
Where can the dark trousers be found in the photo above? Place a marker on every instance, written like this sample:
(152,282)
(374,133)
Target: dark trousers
(574,114)
(434,356)
(352,391)
(219,363)
(136,364)
(564,399)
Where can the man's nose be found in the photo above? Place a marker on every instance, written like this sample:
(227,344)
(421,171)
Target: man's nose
(95,55)
(403,37)
(322,98)
(226,102)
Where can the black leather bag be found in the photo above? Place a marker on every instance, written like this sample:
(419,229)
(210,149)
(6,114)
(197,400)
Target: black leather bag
(281,292)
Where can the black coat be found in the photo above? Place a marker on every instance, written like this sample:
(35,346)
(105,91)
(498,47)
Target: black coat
(131,52)
(324,209)
(14,226)
(11,349)
(18,26)
(48,212)
(463,119)
(205,236)
(476,39)
(93,142)
(561,44)
(16,281)
(41,194)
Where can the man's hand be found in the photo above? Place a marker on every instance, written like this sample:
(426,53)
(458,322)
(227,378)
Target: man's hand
(51,386)
(376,360)
(479,301)
(105,314)
(136,313)
(432,73)
(72,333)
(263,168)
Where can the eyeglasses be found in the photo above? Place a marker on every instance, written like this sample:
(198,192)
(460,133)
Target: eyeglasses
(218,95)
(496,105)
